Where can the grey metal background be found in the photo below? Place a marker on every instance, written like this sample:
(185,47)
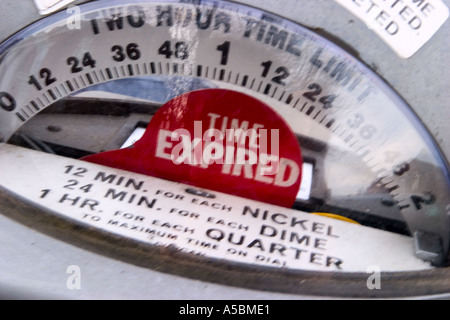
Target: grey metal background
(33,265)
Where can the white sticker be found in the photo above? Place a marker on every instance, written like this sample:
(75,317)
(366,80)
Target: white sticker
(49,6)
(405,25)
(161,213)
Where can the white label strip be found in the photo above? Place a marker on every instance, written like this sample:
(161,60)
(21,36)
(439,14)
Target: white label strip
(405,25)
(160,212)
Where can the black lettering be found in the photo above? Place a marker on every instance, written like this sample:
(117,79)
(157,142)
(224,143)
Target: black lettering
(419,2)
(294,44)
(94,26)
(207,21)
(330,232)
(272,232)
(131,51)
(92,204)
(318,227)
(139,22)
(77,66)
(276,37)
(315,258)
(231,239)
(277,247)
(144,200)
(73,201)
(298,252)
(112,178)
(342,73)
(180,52)
(79,171)
(45,74)
(183,17)
(215,234)
(225,49)
(261,32)
(282,72)
(136,185)
(111,193)
(104,178)
(74,62)
(300,240)
(7,102)
(116,20)
(296,222)
(253,213)
(119,55)
(257,243)
(251,23)
(334,261)
(315,90)
(315,58)
(275,217)
(320,243)
(164,15)
(222,19)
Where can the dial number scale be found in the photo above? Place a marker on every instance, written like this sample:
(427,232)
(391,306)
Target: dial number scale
(370,159)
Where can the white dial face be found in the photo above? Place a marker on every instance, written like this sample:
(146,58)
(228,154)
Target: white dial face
(81,84)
